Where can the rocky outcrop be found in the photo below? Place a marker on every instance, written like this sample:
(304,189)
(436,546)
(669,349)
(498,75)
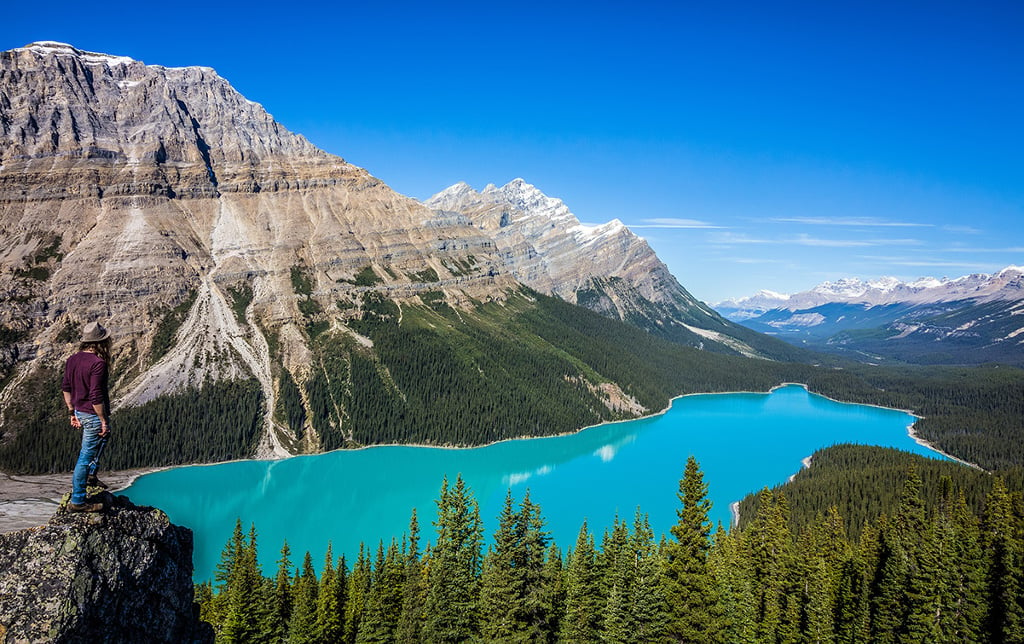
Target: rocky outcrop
(123,575)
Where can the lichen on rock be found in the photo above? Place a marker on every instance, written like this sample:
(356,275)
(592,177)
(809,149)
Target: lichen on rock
(121,575)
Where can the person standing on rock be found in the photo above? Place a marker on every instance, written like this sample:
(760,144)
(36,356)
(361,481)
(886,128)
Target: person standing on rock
(88,402)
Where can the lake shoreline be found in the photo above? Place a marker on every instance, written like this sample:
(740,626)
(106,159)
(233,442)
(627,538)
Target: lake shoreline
(34,498)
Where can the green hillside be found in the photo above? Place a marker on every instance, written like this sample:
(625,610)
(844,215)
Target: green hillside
(532,365)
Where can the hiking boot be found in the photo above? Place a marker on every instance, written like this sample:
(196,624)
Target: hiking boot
(94,481)
(85,507)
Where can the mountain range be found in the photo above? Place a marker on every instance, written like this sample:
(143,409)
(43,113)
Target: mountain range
(222,248)
(967,320)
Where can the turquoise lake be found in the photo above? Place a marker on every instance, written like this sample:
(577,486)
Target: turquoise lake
(743,442)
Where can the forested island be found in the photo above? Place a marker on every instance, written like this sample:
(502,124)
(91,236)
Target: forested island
(931,569)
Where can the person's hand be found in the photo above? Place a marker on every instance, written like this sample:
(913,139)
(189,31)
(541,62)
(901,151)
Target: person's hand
(104,429)
(77,424)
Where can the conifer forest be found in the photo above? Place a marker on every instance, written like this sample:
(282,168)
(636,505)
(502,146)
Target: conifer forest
(933,568)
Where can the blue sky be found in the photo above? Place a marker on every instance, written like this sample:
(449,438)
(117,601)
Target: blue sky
(754,145)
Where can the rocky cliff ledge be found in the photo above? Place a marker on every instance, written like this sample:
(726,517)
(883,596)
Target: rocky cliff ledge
(123,575)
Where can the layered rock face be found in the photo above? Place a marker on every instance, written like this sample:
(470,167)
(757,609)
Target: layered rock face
(124,575)
(606,268)
(127,189)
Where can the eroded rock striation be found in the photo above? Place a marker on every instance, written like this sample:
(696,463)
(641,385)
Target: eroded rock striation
(123,575)
(127,190)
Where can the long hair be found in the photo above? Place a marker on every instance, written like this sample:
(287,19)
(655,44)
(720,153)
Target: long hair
(101,348)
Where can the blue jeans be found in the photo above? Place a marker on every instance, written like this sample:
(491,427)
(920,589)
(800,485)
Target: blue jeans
(89,456)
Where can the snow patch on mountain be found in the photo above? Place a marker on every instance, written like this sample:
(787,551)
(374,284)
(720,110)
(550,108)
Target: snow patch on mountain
(1005,285)
(54,48)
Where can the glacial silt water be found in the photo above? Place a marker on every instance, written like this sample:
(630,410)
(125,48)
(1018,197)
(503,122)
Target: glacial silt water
(743,442)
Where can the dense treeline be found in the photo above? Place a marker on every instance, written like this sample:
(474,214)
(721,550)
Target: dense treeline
(170,321)
(863,482)
(217,421)
(530,366)
(941,573)
(974,413)
(440,379)
(469,377)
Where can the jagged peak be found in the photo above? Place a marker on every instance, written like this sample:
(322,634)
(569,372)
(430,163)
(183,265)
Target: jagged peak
(1004,284)
(56,48)
(453,197)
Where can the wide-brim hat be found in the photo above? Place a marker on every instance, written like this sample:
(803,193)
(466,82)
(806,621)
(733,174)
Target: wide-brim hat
(94,332)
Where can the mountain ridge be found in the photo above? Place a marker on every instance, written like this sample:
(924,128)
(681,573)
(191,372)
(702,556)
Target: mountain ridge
(1005,284)
(966,320)
(606,267)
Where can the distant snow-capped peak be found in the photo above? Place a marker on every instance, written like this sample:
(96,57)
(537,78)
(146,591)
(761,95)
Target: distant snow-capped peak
(1007,284)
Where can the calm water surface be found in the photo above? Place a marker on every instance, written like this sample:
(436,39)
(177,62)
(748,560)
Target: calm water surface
(744,442)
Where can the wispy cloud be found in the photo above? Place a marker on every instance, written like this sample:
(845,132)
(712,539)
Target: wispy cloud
(966,230)
(807,240)
(1012,249)
(847,221)
(728,239)
(672,222)
(752,260)
(930,263)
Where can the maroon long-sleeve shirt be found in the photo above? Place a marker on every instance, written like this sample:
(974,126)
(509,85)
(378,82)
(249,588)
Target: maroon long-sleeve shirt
(85,377)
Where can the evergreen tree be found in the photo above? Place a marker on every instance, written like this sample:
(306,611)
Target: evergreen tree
(616,562)
(410,622)
(359,585)
(688,587)
(853,595)
(917,539)
(454,566)
(1002,551)
(500,585)
(204,597)
(553,593)
(384,605)
(230,557)
(960,575)
(731,570)
(281,609)
(535,614)
(647,605)
(330,618)
(823,549)
(303,626)
(583,602)
(246,603)
(769,551)
(888,592)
